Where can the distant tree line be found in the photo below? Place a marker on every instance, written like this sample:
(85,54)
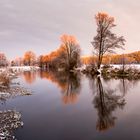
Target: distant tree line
(57,59)
(66,57)
(130,58)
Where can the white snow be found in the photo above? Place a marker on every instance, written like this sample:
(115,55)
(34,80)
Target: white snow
(133,66)
(20,68)
(25,68)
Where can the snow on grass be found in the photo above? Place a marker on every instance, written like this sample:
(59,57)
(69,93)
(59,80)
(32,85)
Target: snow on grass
(20,68)
(24,68)
(133,66)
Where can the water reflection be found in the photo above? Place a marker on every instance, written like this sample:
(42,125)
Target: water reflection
(106,102)
(29,77)
(125,85)
(109,94)
(69,83)
(72,90)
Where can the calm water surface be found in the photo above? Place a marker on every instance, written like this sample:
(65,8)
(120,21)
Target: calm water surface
(77,107)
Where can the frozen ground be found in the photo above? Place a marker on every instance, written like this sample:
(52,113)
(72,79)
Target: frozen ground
(20,68)
(134,66)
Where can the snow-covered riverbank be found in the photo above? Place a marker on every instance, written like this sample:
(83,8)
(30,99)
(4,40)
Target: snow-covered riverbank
(20,68)
(133,66)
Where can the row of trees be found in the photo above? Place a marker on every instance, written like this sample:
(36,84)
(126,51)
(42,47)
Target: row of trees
(58,59)
(67,56)
(131,58)
(29,59)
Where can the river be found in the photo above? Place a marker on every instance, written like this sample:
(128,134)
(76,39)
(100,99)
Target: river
(76,107)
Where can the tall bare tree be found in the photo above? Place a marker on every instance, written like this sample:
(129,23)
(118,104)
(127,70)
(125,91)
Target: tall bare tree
(105,41)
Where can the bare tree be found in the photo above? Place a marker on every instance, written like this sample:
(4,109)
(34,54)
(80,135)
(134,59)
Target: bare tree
(29,58)
(72,50)
(105,41)
(3,60)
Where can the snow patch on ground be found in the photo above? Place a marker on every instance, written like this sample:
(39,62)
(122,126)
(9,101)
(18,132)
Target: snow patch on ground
(20,68)
(133,66)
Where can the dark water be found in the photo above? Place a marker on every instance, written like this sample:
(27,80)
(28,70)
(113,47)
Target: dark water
(77,107)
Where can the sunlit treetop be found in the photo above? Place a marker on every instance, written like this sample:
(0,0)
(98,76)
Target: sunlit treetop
(103,19)
(68,39)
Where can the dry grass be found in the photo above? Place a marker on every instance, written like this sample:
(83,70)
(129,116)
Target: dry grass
(4,79)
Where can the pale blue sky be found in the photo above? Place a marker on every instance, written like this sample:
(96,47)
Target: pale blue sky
(38,24)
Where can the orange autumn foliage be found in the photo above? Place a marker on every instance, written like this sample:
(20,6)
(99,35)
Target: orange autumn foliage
(29,58)
(68,40)
(130,58)
(3,60)
(103,18)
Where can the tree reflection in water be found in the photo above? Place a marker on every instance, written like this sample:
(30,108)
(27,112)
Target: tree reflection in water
(72,89)
(69,83)
(125,85)
(29,76)
(106,101)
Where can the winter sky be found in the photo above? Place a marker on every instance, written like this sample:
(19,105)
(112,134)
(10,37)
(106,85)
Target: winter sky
(38,24)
